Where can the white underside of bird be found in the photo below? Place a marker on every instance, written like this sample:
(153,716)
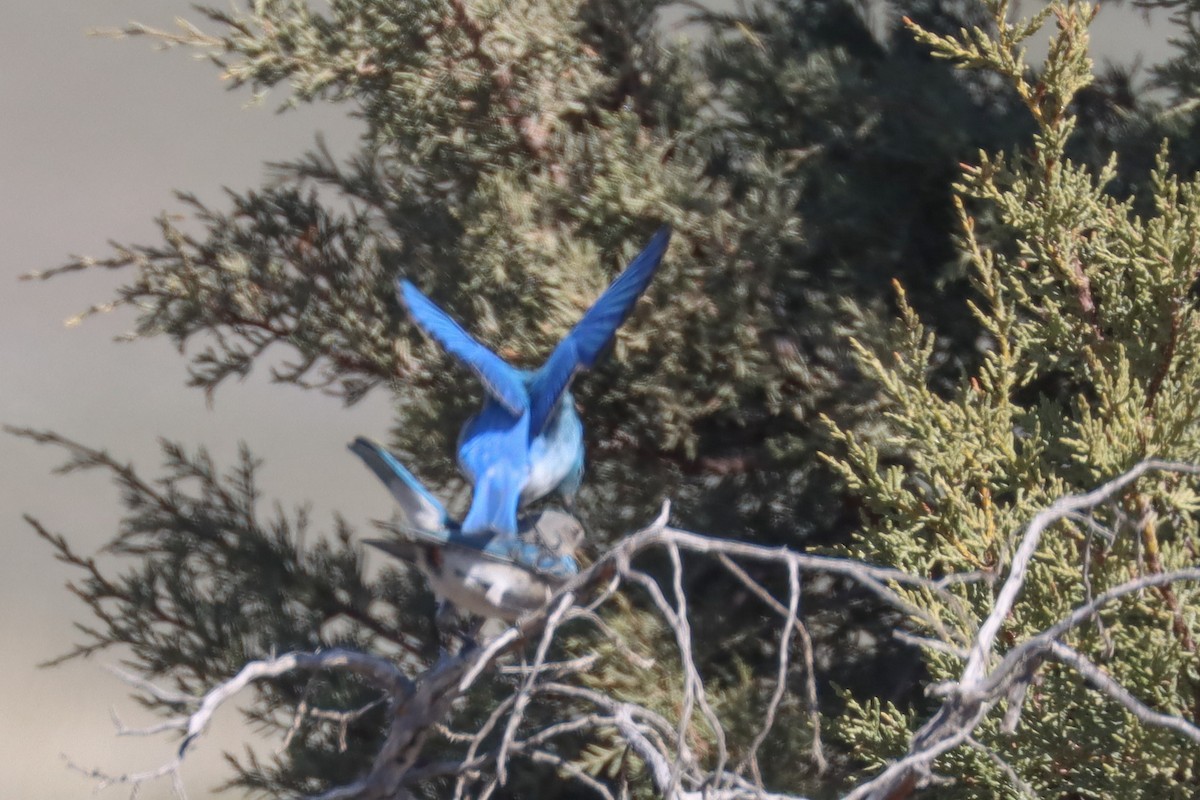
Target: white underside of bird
(555,455)
(481,586)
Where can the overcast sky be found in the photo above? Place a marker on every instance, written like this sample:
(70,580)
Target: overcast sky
(94,136)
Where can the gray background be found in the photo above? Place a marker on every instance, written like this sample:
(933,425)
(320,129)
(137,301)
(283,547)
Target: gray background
(94,135)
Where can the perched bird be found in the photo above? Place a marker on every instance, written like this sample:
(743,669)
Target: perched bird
(485,574)
(527,439)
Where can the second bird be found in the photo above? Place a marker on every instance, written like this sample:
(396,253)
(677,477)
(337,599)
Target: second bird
(527,440)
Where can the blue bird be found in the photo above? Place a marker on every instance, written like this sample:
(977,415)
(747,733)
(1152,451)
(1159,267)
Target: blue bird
(488,575)
(527,439)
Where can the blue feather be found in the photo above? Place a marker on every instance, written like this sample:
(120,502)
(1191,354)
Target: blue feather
(587,340)
(499,379)
(527,440)
(425,513)
(541,546)
(494,453)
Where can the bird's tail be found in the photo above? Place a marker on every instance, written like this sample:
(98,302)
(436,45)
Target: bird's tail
(494,504)
(423,511)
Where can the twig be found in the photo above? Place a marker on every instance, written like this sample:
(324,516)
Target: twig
(523,695)
(623,647)
(968,700)
(1062,507)
(484,731)
(1104,683)
(1019,783)
(374,669)
(781,675)
(418,706)
(810,674)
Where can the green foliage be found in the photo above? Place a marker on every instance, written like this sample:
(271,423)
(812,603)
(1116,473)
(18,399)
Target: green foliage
(514,157)
(1074,290)
(191,612)
(638,663)
(511,194)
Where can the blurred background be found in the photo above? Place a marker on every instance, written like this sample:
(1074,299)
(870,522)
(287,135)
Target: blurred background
(94,136)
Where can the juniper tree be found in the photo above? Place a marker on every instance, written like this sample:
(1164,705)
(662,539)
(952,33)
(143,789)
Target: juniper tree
(1088,368)
(514,156)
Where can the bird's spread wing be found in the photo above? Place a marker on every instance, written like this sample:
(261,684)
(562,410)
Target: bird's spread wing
(587,340)
(424,512)
(501,381)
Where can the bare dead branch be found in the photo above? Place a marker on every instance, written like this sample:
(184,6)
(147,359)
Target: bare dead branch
(969,699)
(418,705)
(781,676)
(523,694)
(376,670)
(1057,511)
(810,674)
(1022,786)
(1104,683)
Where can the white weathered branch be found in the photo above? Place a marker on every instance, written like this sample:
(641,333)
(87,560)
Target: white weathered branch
(969,699)
(1105,683)
(981,650)
(378,671)
(418,706)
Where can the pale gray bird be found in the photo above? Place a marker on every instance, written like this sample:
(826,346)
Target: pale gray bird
(500,577)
